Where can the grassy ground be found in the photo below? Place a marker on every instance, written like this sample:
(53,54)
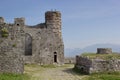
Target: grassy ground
(103,76)
(13,77)
(102,56)
(99,76)
(51,72)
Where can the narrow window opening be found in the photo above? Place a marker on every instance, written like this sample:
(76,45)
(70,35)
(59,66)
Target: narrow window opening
(17,24)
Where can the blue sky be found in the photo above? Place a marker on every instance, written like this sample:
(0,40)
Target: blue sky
(84,22)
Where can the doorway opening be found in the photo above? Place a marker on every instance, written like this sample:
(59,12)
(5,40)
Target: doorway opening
(55,57)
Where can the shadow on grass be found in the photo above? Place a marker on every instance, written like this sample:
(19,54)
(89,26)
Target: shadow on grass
(74,71)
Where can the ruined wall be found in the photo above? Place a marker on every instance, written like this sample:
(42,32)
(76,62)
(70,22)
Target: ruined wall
(53,23)
(47,43)
(83,64)
(86,65)
(39,44)
(104,50)
(105,65)
(11,49)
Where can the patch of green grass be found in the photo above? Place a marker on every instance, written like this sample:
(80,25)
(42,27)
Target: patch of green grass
(31,65)
(49,66)
(104,76)
(101,56)
(6,76)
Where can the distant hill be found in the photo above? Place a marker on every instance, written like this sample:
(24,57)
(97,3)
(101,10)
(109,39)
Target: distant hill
(92,48)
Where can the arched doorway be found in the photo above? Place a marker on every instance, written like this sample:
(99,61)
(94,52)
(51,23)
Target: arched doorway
(28,44)
(55,57)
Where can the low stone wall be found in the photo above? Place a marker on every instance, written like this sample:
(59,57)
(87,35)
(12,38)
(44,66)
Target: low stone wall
(11,63)
(105,65)
(83,64)
(86,65)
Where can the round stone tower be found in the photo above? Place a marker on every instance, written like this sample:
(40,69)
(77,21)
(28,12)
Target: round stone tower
(53,21)
(1,20)
(104,50)
(53,25)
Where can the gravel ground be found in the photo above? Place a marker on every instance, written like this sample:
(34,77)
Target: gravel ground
(46,73)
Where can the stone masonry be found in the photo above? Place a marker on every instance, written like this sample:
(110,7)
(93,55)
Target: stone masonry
(43,42)
(104,50)
(94,65)
(86,65)
(40,44)
(11,50)
(11,62)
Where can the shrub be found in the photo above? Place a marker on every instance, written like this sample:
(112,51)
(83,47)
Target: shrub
(4,32)
(14,45)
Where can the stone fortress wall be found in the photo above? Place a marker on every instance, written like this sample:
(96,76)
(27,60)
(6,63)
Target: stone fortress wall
(47,43)
(87,65)
(39,44)
(11,48)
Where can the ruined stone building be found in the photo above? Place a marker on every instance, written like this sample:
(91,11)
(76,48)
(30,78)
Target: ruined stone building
(41,43)
(103,61)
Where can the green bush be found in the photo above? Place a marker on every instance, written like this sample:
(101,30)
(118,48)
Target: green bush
(4,35)
(14,45)
(4,32)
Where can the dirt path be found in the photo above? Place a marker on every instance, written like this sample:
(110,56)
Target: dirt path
(58,73)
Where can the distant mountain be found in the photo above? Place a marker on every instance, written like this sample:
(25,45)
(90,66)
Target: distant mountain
(92,48)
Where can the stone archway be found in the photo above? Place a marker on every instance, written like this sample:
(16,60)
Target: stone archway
(28,45)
